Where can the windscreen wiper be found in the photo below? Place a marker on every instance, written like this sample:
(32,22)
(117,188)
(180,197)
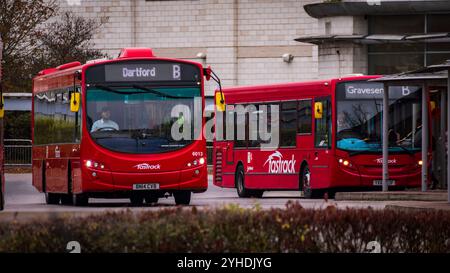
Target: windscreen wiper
(405,149)
(148,90)
(353,153)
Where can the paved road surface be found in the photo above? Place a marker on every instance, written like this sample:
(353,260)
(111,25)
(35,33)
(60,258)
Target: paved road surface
(22,197)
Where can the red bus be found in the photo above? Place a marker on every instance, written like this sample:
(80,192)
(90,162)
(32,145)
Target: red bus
(103,130)
(329,137)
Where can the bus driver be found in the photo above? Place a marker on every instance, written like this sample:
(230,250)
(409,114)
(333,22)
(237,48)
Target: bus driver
(105,123)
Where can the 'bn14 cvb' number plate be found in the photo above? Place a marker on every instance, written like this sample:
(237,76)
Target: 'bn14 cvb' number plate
(380,182)
(150,186)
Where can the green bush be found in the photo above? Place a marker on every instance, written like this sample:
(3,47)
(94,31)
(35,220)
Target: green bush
(233,229)
(17,125)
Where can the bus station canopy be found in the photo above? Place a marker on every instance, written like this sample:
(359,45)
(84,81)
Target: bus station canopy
(377,38)
(431,76)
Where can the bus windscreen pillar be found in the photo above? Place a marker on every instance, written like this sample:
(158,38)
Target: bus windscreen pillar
(424,137)
(385,137)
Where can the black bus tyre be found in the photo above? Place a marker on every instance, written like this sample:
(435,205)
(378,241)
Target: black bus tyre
(80,200)
(52,198)
(257,193)
(66,199)
(240,183)
(305,180)
(136,200)
(151,199)
(182,197)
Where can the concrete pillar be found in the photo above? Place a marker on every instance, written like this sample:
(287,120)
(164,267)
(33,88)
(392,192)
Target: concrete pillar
(385,137)
(425,132)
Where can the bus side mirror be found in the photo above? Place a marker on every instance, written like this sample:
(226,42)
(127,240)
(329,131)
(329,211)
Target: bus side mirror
(318,110)
(220,101)
(207,73)
(74,101)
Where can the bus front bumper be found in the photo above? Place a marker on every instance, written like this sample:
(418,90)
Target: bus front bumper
(194,179)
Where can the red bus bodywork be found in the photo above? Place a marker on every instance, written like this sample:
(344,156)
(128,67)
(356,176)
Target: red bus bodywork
(61,168)
(325,164)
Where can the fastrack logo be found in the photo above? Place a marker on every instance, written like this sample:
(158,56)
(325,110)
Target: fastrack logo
(390,161)
(278,165)
(146,166)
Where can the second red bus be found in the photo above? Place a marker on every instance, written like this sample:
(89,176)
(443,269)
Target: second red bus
(330,137)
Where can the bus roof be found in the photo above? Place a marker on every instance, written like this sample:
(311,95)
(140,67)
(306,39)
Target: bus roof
(284,91)
(62,75)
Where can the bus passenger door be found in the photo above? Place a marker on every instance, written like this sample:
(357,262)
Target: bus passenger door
(321,156)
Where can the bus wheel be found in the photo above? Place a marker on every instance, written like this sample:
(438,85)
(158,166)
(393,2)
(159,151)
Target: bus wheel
(80,200)
(136,200)
(306,183)
(66,199)
(182,197)
(257,193)
(240,183)
(52,198)
(151,199)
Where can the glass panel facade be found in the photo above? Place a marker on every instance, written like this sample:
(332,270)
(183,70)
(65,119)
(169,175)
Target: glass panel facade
(390,58)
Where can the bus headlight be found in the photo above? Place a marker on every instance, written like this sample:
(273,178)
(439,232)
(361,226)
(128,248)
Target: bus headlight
(420,162)
(346,163)
(201,160)
(197,162)
(94,165)
(88,163)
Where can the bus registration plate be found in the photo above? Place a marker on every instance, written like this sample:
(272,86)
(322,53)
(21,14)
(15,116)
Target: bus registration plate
(149,186)
(390,182)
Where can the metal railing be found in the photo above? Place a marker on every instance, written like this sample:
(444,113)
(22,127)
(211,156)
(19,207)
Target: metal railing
(17,152)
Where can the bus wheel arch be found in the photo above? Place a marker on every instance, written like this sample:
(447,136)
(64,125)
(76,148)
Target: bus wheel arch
(67,199)
(50,198)
(239,180)
(305,180)
(303,165)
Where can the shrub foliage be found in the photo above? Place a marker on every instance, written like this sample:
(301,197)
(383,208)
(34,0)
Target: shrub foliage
(234,229)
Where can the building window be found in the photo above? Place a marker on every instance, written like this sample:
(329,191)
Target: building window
(390,58)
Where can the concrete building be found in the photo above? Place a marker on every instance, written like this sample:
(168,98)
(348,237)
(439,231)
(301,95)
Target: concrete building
(242,40)
(245,40)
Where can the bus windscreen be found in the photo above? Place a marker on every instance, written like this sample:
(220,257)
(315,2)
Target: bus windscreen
(359,117)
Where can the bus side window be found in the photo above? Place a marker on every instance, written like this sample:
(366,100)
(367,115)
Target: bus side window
(288,123)
(322,137)
(252,122)
(240,127)
(304,117)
